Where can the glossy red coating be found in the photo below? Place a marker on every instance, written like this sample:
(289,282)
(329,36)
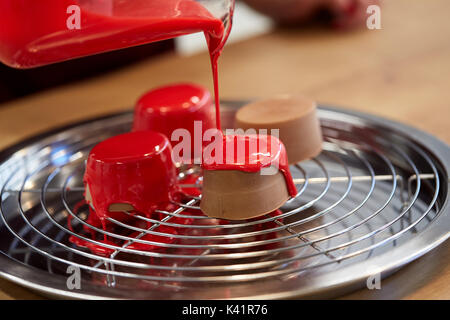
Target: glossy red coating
(133,168)
(251,153)
(35,33)
(174,107)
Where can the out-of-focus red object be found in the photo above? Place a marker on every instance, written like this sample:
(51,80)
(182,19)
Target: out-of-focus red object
(342,13)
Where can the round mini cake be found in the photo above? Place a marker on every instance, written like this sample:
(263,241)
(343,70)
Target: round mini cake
(173,107)
(250,177)
(130,172)
(296,119)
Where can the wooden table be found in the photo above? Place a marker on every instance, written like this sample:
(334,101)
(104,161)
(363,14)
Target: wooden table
(401,72)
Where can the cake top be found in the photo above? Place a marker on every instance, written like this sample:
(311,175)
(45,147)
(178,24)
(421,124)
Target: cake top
(174,98)
(130,147)
(279,109)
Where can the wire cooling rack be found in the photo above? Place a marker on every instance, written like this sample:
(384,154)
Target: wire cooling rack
(374,200)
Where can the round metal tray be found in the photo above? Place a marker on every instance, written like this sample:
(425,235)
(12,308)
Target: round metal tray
(373,201)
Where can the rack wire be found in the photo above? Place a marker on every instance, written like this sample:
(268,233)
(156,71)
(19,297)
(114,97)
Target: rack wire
(365,195)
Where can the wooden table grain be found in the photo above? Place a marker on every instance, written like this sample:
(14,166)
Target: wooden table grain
(401,72)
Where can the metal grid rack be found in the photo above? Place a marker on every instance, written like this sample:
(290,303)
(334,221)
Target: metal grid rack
(369,203)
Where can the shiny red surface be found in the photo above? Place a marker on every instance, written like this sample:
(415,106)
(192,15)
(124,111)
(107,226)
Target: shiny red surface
(173,107)
(35,33)
(134,168)
(251,153)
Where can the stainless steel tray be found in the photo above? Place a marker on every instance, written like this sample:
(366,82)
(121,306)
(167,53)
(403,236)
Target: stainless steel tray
(373,201)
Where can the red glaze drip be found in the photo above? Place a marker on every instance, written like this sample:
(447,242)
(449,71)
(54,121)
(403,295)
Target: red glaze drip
(215,45)
(36,33)
(251,153)
(101,250)
(134,168)
(94,248)
(271,235)
(92,220)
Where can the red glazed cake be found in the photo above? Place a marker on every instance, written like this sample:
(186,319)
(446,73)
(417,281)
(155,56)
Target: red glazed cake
(130,172)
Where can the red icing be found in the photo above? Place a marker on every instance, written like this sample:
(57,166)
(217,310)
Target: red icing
(92,220)
(194,183)
(172,107)
(133,168)
(101,250)
(251,153)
